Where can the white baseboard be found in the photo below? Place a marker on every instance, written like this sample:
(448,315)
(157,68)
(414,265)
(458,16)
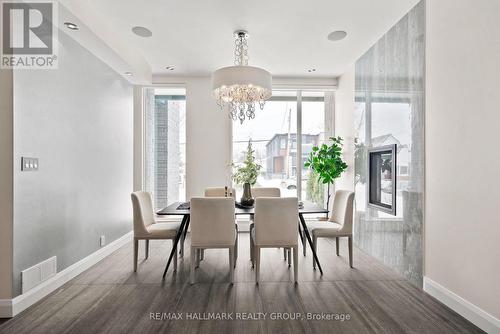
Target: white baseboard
(11,307)
(466,309)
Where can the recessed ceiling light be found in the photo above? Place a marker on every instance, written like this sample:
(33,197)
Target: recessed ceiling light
(170,68)
(311,70)
(142,31)
(71,25)
(129,74)
(337,35)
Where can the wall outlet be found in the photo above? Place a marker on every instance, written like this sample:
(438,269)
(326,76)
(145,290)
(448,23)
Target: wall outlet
(102,240)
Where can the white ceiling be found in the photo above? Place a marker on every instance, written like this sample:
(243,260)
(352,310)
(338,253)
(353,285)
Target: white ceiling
(287,37)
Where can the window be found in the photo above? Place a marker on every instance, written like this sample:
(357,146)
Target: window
(271,134)
(277,143)
(313,134)
(284,143)
(165,145)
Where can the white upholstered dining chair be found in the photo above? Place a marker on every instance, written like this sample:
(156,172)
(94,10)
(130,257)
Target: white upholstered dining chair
(146,227)
(256,193)
(265,192)
(212,226)
(275,223)
(338,225)
(220,192)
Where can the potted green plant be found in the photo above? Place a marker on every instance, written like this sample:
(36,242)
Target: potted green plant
(326,161)
(246,174)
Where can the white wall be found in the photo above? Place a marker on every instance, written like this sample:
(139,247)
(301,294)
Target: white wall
(6,183)
(344,125)
(208,135)
(462,216)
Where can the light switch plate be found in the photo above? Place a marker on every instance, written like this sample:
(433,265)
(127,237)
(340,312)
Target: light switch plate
(29,164)
(102,240)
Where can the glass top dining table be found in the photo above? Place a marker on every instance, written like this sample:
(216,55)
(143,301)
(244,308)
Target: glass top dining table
(182,209)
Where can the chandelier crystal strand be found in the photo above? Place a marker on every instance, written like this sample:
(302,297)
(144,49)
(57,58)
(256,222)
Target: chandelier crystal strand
(241,50)
(238,88)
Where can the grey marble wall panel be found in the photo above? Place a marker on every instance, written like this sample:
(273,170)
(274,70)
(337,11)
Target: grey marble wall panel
(390,110)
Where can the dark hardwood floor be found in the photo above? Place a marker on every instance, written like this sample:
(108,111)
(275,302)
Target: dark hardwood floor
(111,298)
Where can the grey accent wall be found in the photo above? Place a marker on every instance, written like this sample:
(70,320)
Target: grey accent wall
(6,183)
(78,121)
(389,93)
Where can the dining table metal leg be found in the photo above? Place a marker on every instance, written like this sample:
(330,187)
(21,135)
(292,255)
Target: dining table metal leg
(183,227)
(306,232)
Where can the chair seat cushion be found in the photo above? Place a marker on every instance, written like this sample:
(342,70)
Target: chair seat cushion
(324,228)
(163,230)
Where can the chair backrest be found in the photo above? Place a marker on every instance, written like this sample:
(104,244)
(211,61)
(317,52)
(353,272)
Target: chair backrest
(144,214)
(276,221)
(342,211)
(218,192)
(212,221)
(266,192)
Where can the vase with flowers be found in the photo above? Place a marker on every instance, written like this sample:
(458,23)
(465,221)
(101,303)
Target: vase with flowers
(246,174)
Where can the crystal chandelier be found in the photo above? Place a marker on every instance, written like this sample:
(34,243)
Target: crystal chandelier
(240,87)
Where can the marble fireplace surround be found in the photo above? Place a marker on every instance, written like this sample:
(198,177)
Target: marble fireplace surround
(390,101)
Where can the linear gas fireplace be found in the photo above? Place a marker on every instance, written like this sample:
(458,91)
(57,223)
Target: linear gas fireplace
(382,178)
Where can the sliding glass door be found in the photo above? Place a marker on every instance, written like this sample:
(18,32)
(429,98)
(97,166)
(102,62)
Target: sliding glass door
(282,136)
(165,145)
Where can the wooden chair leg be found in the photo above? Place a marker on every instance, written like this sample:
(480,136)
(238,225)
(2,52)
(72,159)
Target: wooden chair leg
(231,264)
(236,249)
(289,256)
(235,253)
(175,257)
(252,251)
(315,246)
(192,264)
(136,253)
(257,263)
(337,245)
(147,248)
(284,253)
(296,263)
(198,256)
(350,250)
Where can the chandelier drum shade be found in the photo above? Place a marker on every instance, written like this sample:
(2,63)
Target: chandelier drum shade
(240,87)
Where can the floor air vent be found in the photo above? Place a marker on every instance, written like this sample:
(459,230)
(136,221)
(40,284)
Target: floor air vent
(40,272)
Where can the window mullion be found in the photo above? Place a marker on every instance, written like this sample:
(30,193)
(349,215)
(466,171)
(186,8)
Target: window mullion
(298,157)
